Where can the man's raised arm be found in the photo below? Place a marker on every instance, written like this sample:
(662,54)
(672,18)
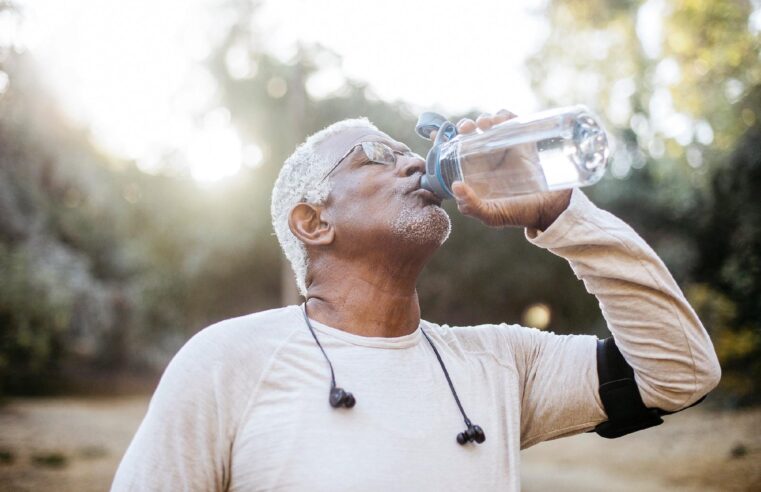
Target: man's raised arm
(657,331)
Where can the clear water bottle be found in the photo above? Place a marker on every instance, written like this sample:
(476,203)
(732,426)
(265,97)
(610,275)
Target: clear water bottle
(551,150)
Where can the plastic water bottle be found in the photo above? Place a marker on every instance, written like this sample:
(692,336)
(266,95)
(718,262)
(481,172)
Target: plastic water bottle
(551,150)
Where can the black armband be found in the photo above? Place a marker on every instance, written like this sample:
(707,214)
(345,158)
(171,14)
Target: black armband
(620,395)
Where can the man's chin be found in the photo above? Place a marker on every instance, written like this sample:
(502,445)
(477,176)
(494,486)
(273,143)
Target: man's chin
(427,226)
(446,228)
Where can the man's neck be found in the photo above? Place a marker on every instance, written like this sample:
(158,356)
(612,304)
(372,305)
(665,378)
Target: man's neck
(372,302)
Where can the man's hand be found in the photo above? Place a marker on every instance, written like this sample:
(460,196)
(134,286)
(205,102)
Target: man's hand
(536,211)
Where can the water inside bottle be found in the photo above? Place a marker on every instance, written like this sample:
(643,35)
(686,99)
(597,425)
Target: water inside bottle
(541,156)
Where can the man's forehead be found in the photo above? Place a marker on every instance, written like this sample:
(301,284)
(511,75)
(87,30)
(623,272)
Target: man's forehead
(337,145)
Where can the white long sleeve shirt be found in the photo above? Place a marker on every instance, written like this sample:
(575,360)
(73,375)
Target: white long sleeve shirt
(243,406)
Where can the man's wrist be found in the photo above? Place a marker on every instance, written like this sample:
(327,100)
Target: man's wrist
(555,206)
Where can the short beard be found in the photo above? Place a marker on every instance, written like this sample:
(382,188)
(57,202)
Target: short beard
(429,225)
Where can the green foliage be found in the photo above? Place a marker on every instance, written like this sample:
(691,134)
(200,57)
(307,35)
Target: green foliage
(103,267)
(691,193)
(50,459)
(737,344)
(31,328)
(730,261)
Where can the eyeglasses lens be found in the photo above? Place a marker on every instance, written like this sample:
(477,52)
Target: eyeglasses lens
(378,152)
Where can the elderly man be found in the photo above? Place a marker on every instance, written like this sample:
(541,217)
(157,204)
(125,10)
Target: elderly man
(352,390)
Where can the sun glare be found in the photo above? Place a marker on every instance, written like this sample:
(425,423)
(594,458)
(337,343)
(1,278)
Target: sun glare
(216,152)
(134,73)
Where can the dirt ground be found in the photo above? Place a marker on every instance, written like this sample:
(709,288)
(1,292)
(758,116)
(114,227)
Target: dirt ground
(75,445)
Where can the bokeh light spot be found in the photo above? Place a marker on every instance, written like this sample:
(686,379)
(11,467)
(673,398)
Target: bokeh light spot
(277,87)
(537,315)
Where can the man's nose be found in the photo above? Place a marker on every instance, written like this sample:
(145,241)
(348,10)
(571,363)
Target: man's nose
(412,164)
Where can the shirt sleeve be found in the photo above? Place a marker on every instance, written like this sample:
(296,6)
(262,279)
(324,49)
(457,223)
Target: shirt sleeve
(656,329)
(558,383)
(185,439)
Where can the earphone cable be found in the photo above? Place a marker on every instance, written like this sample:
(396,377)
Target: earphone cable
(311,330)
(449,380)
(342,398)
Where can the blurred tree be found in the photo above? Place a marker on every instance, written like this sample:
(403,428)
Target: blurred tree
(32,325)
(678,82)
(105,268)
(729,263)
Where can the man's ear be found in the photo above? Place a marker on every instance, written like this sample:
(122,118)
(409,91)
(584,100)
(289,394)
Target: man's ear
(306,223)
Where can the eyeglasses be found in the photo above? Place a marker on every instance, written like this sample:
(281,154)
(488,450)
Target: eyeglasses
(376,152)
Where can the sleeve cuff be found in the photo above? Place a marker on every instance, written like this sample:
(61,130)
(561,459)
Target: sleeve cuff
(579,207)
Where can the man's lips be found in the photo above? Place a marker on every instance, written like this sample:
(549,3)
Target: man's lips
(427,196)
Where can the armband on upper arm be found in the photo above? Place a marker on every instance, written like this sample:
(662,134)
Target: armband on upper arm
(620,395)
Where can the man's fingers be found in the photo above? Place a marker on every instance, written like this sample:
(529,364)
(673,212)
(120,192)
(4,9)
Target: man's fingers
(463,193)
(484,122)
(466,125)
(467,201)
(503,115)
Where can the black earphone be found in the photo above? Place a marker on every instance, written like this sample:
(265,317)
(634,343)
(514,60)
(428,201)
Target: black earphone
(473,433)
(339,397)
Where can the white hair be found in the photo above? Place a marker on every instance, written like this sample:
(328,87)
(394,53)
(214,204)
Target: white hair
(301,180)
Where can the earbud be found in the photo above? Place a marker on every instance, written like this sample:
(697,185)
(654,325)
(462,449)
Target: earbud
(473,433)
(341,398)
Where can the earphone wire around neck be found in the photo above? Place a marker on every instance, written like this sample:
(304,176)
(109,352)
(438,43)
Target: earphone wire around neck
(341,398)
(473,432)
(338,396)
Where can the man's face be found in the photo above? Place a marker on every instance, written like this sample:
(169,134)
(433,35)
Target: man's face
(378,204)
